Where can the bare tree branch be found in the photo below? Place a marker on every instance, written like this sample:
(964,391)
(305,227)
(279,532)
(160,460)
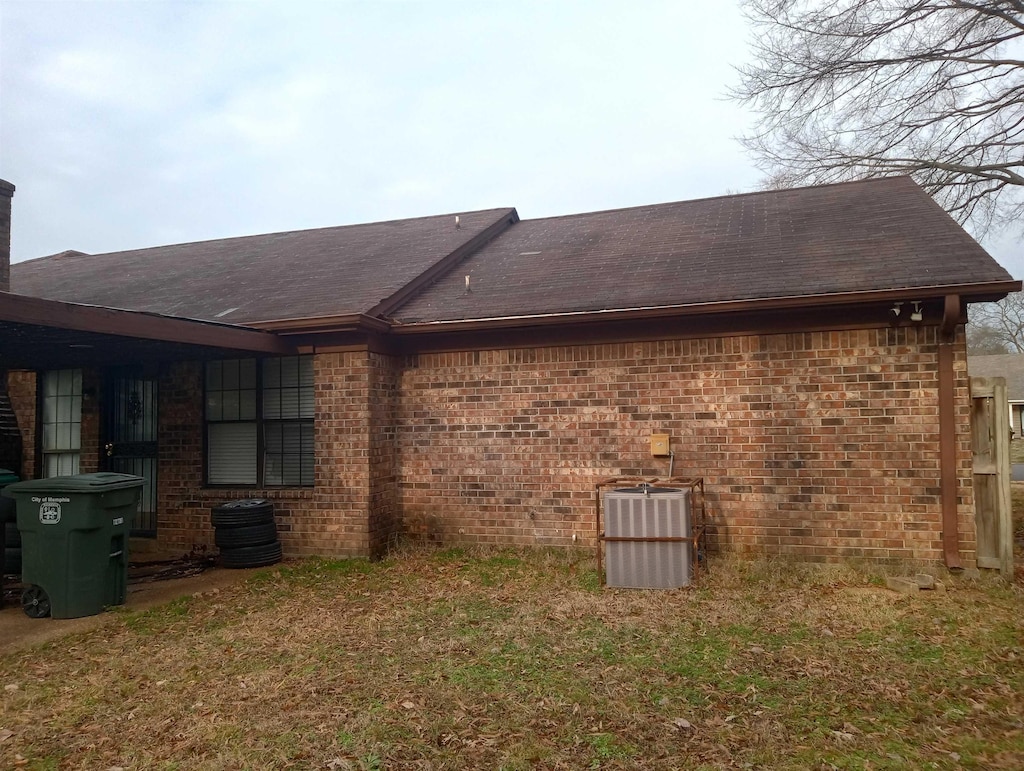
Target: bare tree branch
(1000,323)
(858,88)
(983,340)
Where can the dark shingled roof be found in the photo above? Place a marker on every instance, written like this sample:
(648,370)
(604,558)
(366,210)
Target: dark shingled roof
(325,272)
(851,237)
(1007,365)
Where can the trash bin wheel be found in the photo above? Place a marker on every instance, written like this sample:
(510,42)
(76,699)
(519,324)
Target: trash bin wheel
(35,602)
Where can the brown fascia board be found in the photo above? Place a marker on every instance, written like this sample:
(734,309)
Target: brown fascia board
(351,322)
(22,309)
(988,292)
(364,323)
(385,307)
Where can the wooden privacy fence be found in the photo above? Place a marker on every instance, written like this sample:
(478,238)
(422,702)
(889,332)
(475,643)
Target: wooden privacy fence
(990,443)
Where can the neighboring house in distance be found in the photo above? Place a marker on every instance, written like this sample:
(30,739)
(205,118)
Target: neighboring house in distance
(470,378)
(1011,367)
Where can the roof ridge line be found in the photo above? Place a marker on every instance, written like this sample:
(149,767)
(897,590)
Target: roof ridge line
(78,253)
(445,265)
(747,194)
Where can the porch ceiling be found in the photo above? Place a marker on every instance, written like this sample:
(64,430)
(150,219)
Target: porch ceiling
(47,334)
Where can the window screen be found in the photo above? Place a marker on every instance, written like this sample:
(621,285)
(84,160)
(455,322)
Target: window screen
(259,422)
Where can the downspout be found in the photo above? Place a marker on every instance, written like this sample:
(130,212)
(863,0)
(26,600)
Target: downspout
(947,432)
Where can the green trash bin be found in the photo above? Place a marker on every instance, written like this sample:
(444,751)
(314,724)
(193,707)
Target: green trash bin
(74,536)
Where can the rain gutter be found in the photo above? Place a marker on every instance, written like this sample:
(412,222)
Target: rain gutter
(984,292)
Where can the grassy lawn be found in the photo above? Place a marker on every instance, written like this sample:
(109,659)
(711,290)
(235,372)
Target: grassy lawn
(1017,498)
(516,659)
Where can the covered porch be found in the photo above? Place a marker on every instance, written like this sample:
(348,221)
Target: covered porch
(82,386)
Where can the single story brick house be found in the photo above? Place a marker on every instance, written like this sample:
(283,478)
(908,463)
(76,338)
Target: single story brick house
(468,378)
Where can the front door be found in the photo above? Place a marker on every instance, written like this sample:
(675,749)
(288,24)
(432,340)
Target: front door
(130,439)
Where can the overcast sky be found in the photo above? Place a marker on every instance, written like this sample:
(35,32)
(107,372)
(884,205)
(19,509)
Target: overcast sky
(134,124)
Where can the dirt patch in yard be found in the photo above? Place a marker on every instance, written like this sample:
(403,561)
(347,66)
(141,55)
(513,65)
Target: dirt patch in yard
(20,631)
(153,579)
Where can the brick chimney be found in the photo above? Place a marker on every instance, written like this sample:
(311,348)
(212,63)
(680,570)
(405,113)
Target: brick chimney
(6,194)
(10,436)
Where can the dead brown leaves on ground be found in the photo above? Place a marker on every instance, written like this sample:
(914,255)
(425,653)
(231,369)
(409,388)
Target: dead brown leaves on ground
(517,659)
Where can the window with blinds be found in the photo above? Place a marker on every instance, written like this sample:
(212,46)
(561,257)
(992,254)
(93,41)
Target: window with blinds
(259,422)
(288,421)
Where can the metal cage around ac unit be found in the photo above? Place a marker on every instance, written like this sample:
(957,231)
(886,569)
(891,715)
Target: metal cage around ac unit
(650,534)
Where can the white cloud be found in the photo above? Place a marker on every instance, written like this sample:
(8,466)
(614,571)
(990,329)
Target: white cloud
(133,124)
(82,74)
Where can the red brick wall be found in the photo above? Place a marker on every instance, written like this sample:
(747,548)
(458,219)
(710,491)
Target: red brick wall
(339,522)
(21,387)
(822,445)
(352,510)
(92,398)
(183,503)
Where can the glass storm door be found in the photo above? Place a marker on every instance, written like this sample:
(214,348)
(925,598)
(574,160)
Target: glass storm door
(130,445)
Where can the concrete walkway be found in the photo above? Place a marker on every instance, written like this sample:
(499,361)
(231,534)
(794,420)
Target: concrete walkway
(18,631)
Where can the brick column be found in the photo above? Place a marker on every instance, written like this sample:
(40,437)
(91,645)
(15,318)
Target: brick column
(21,389)
(338,524)
(385,520)
(11,447)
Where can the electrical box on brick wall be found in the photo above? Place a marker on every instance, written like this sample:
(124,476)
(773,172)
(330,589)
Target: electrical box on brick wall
(659,444)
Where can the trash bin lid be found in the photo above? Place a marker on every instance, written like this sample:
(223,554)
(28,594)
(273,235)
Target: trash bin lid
(7,477)
(98,482)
